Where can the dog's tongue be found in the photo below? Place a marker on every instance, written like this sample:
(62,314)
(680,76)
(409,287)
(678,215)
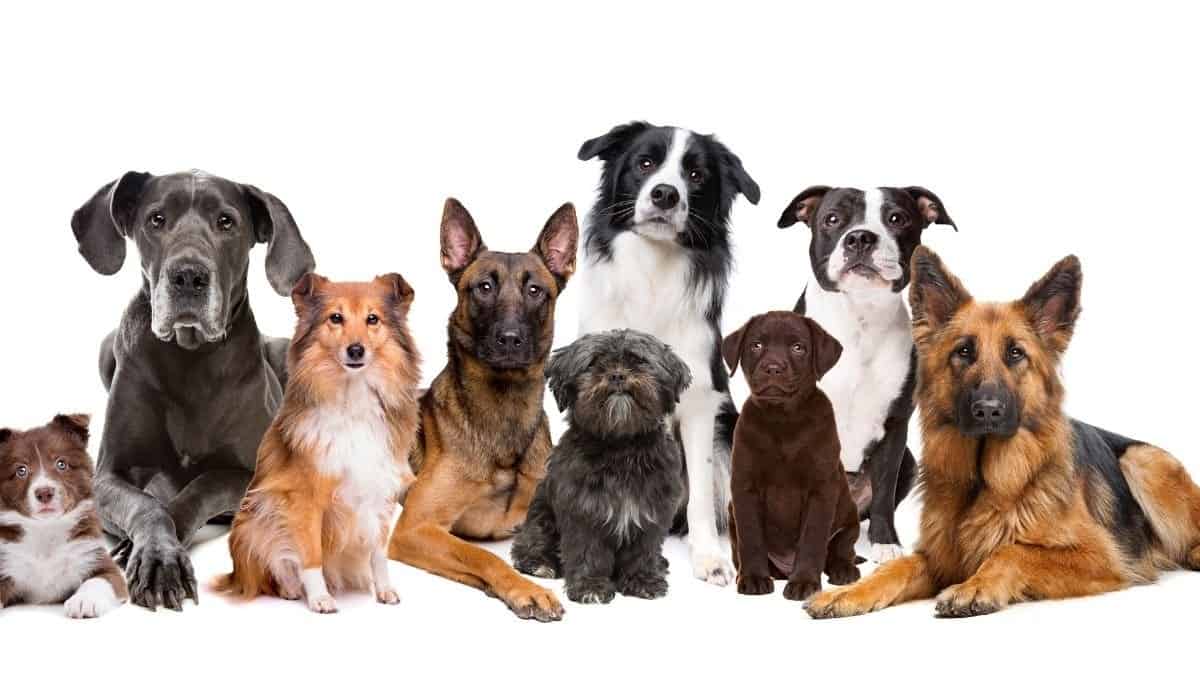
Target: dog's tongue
(188,337)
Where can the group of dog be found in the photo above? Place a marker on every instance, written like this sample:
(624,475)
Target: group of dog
(309,445)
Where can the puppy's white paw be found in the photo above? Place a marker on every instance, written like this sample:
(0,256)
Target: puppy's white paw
(882,553)
(712,567)
(387,596)
(94,598)
(322,604)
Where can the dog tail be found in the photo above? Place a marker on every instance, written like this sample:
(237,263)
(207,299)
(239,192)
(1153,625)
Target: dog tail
(1171,501)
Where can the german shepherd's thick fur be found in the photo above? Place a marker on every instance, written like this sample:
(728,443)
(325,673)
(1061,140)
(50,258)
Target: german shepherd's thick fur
(485,438)
(1020,502)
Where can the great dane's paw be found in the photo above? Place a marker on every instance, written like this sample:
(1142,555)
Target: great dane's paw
(842,573)
(966,600)
(646,585)
(801,589)
(839,602)
(591,591)
(881,553)
(530,601)
(94,598)
(387,596)
(322,604)
(751,584)
(712,566)
(159,573)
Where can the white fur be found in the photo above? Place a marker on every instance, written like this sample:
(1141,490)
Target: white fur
(670,172)
(316,592)
(384,591)
(885,257)
(45,564)
(94,598)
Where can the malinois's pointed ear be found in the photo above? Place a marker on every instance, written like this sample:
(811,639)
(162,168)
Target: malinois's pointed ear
(461,241)
(731,348)
(936,295)
(1052,304)
(557,243)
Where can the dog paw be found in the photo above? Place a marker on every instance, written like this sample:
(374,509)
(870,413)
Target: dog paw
(645,586)
(591,591)
(539,568)
(801,589)
(93,599)
(881,553)
(159,573)
(322,604)
(387,596)
(966,600)
(530,601)
(841,574)
(837,603)
(712,567)
(750,584)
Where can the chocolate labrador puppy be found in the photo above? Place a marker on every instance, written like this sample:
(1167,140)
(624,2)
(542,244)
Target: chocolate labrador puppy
(791,515)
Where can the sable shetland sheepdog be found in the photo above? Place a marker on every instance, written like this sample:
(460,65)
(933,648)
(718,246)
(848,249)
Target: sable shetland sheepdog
(1021,502)
(334,463)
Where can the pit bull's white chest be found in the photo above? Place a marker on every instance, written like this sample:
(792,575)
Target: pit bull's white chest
(876,337)
(45,563)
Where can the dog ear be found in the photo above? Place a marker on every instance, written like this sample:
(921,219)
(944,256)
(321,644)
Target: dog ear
(1052,304)
(557,243)
(803,206)
(612,143)
(679,376)
(306,290)
(935,295)
(103,222)
(561,371)
(5,434)
(826,350)
(731,348)
(288,255)
(731,167)
(76,425)
(461,241)
(399,291)
(930,206)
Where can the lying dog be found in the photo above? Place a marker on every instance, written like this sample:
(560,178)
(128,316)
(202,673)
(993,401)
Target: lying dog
(1020,501)
(484,437)
(192,384)
(658,256)
(615,480)
(51,548)
(792,516)
(334,463)
(860,247)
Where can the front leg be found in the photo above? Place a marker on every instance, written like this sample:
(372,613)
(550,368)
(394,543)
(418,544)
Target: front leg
(813,545)
(901,580)
(883,471)
(639,570)
(7,591)
(589,562)
(384,591)
(697,418)
(303,523)
(1018,572)
(103,592)
(754,570)
(209,495)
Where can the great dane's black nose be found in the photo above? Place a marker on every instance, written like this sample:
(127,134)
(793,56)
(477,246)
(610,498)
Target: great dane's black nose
(356,352)
(861,241)
(664,196)
(189,278)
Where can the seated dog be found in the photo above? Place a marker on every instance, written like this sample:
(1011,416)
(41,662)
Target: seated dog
(791,511)
(614,482)
(192,384)
(51,547)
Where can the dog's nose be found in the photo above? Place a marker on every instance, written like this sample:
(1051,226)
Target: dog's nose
(774,368)
(616,379)
(989,410)
(861,241)
(664,196)
(509,339)
(189,279)
(44,494)
(356,351)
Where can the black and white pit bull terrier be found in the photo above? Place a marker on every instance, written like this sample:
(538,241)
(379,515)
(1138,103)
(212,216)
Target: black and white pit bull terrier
(192,383)
(862,240)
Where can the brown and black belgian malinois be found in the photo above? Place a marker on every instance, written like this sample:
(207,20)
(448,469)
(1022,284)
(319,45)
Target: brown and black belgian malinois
(1020,501)
(484,437)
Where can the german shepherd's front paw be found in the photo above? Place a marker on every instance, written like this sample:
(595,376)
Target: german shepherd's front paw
(968,599)
(801,589)
(838,603)
(749,584)
(591,591)
(530,601)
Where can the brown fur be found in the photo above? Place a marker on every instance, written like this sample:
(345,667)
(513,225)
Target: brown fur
(484,438)
(295,515)
(1016,518)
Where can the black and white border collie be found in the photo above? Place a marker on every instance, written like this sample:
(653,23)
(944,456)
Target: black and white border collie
(658,259)
(862,242)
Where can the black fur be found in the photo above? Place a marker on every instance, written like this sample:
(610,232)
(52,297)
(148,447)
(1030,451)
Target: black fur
(614,481)
(1098,452)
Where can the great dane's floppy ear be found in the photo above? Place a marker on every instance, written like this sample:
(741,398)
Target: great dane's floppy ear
(557,243)
(103,222)
(565,365)
(76,424)
(1052,304)
(398,289)
(734,172)
(613,143)
(934,294)
(731,347)
(931,207)
(461,241)
(803,206)
(826,350)
(288,256)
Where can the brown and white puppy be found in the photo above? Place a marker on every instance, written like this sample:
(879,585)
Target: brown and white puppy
(792,513)
(51,548)
(334,463)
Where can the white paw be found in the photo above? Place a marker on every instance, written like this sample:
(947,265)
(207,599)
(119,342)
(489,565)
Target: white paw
(322,604)
(544,571)
(387,596)
(94,598)
(712,567)
(882,553)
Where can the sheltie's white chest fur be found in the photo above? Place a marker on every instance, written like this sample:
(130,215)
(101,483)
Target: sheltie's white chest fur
(45,563)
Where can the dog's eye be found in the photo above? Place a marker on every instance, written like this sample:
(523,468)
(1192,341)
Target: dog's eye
(225,222)
(696,176)
(22,471)
(157,220)
(1015,354)
(372,319)
(799,349)
(832,220)
(965,351)
(897,219)
(485,287)
(756,346)
(336,318)
(61,465)
(645,164)
(534,291)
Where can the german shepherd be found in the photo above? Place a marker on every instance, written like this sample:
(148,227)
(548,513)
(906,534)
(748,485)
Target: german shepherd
(1020,501)
(484,437)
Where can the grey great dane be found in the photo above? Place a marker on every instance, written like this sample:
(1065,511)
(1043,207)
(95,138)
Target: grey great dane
(192,383)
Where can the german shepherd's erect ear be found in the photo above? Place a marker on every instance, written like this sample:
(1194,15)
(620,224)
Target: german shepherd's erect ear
(935,294)
(1052,304)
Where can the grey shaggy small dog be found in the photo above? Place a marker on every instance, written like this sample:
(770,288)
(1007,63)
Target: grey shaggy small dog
(615,480)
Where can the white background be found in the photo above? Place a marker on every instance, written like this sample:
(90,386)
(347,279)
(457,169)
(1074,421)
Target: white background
(1046,130)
